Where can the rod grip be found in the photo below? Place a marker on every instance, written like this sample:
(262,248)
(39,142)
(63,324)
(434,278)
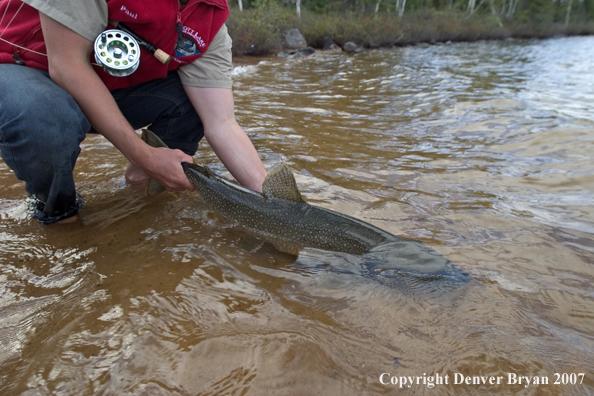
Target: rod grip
(162,56)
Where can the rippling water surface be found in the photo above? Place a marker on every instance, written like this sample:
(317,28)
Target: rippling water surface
(482,151)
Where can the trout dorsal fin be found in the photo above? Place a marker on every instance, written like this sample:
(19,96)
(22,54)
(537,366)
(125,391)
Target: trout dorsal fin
(280,183)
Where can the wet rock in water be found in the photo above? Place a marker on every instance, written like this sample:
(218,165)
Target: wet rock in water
(297,53)
(294,40)
(351,47)
(329,45)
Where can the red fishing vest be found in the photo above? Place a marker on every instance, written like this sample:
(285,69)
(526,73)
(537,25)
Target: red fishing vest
(153,20)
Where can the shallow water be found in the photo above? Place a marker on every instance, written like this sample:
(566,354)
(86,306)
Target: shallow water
(482,151)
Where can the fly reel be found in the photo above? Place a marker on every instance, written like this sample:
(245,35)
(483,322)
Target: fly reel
(117,53)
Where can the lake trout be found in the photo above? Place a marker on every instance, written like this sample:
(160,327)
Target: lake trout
(279,215)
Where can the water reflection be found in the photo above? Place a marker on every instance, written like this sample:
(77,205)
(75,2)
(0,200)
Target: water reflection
(481,151)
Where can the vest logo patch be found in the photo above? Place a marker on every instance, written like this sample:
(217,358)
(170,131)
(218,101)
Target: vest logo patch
(189,44)
(186,46)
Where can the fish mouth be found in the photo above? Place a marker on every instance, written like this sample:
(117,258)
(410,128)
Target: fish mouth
(188,167)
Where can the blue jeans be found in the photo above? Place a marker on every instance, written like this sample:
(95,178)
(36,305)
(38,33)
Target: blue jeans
(41,128)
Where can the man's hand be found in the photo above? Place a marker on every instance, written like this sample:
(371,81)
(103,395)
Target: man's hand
(164,165)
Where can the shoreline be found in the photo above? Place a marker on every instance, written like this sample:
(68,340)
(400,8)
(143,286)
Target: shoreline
(260,32)
(422,44)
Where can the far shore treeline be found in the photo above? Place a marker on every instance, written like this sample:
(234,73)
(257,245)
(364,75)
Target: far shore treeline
(257,26)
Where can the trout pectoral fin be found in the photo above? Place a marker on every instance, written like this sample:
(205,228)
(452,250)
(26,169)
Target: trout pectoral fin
(153,187)
(251,244)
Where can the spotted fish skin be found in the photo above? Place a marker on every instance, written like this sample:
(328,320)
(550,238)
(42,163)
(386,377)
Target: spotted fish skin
(282,217)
